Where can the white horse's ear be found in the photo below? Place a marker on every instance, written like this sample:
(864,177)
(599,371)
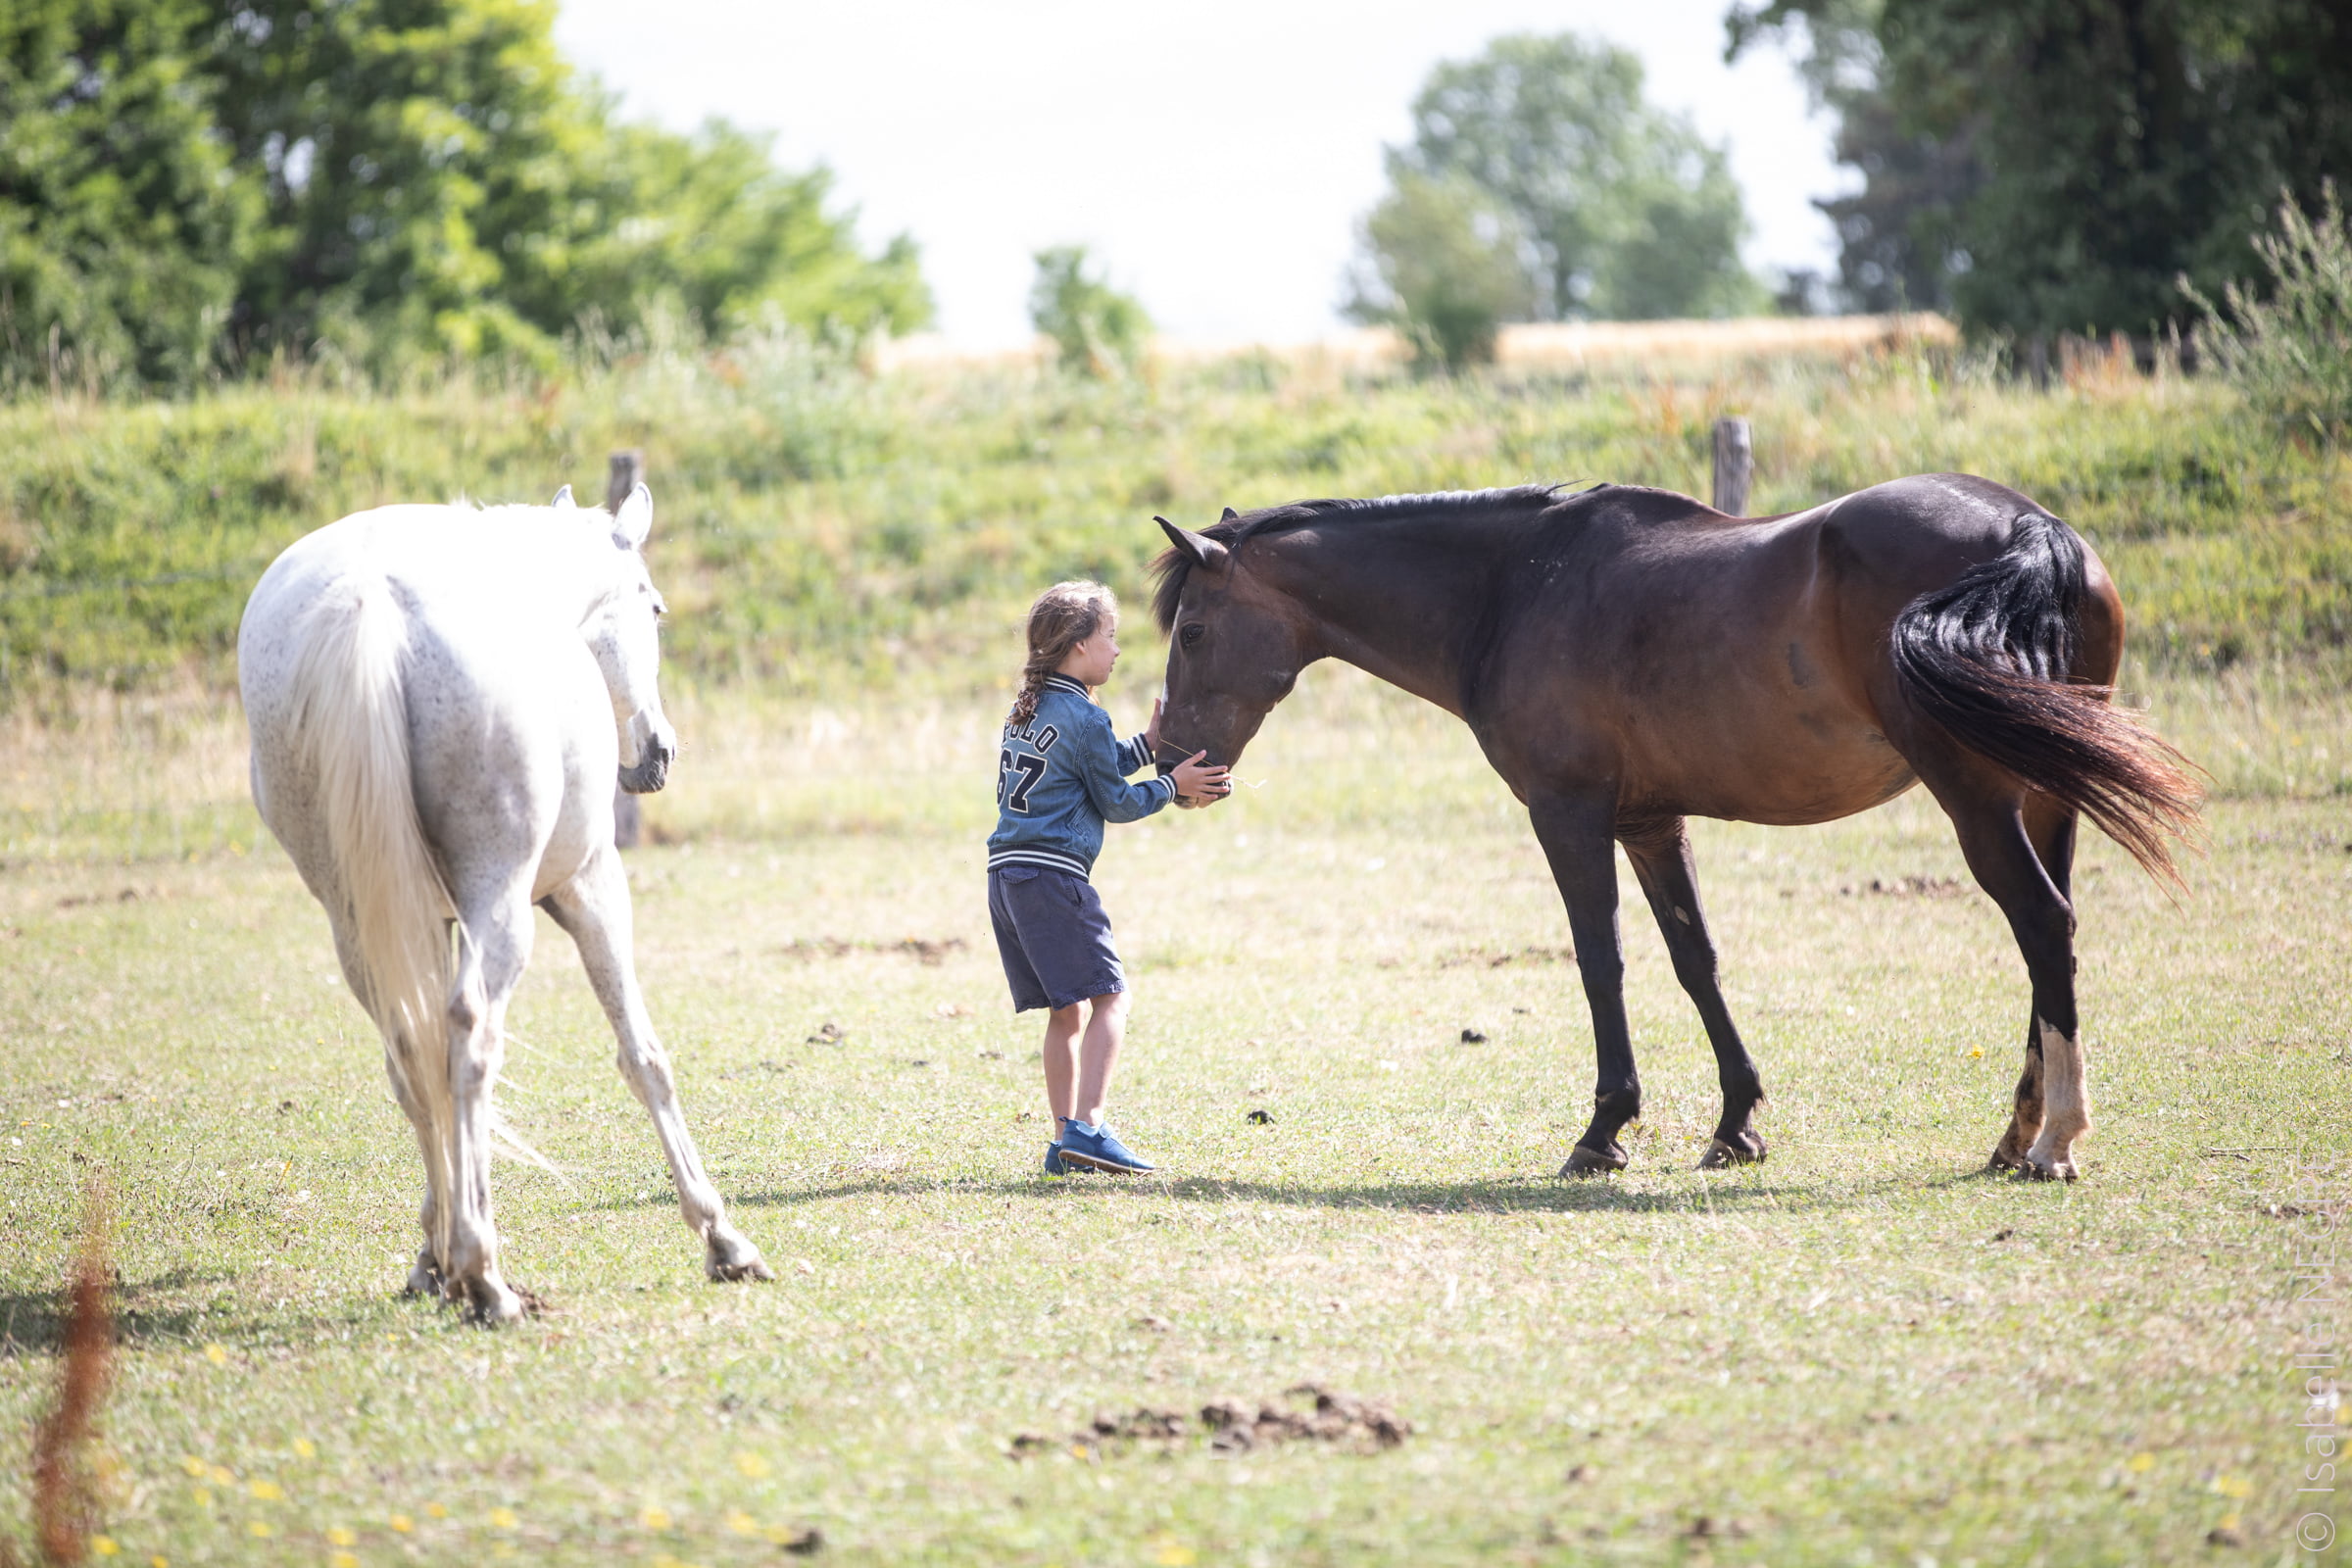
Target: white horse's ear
(564,501)
(636,519)
(1204,552)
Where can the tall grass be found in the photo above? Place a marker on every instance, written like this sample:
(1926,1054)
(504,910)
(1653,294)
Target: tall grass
(2290,346)
(827,533)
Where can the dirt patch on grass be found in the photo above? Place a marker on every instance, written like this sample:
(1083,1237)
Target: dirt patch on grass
(1907,887)
(1235,1426)
(76,900)
(1337,1418)
(925,950)
(1493,958)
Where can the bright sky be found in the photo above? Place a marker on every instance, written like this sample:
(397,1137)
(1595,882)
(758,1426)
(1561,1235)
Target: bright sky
(1215,154)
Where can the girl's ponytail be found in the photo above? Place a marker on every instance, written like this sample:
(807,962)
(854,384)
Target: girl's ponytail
(1024,702)
(1064,616)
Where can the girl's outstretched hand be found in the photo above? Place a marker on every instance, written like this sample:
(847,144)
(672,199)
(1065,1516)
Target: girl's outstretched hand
(1198,784)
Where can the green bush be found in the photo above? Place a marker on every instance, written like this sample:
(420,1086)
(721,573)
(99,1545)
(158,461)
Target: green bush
(2290,347)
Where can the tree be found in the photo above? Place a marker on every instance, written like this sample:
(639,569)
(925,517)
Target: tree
(124,222)
(711,222)
(424,163)
(1626,211)
(186,186)
(1097,329)
(439,182)
(1447,265)
(2080,156)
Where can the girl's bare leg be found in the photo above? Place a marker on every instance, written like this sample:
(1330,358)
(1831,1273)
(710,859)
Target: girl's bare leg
(1099,1055)
(1063,1026)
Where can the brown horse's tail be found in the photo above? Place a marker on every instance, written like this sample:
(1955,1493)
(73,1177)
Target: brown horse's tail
(1989,658)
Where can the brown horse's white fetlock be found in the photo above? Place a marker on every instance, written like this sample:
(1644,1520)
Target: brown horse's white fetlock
(2066,1106)
(2025,1120)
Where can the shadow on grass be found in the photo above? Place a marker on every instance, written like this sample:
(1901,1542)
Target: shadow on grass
(175,1310)
(1507,1195)
(31,1322)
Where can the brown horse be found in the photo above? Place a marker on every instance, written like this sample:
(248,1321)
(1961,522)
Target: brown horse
(1629,657)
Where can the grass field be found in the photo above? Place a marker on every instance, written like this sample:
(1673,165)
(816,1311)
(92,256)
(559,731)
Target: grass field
(1860,1352)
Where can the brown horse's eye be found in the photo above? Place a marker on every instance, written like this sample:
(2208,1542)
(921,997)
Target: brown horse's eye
(1191,634)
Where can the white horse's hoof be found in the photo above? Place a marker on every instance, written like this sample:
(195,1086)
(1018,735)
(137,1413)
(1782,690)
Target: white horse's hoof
(486,1298)
(2051,1170)
(425,1278)
(732,1256)
(492,1304)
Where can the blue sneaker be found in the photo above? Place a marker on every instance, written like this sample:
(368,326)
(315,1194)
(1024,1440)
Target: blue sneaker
(1054,1165)
(1084,1148)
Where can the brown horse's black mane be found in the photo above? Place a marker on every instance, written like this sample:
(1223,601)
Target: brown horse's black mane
(1172,567)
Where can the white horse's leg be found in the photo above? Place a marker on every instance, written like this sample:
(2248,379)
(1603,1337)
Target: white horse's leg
(594,907)
(424,1275)
(491,956)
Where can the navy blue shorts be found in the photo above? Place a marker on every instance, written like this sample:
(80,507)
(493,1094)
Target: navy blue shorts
(1054,937)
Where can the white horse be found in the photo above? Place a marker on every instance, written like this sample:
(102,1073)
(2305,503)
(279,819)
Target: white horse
(439,698)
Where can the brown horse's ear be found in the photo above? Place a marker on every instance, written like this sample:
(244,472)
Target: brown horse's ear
(1206,553)
(1229,515)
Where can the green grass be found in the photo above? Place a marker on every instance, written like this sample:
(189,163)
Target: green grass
(817,525)
(1861,1352)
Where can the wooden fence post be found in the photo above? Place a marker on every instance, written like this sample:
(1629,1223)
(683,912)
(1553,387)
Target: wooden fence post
(1734,466)
(627,471)
(627,474)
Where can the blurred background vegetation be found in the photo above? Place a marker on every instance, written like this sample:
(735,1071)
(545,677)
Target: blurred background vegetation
(818,523)
(2059,166)
(267,264)
(190,191)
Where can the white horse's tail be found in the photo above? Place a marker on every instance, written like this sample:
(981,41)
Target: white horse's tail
(351,715)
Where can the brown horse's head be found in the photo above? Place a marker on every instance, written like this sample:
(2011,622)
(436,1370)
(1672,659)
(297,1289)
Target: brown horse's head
(1234,644)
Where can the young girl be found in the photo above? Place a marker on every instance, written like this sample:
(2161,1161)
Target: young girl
(1062,775)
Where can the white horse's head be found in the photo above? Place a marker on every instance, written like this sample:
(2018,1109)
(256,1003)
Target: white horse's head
(623,632)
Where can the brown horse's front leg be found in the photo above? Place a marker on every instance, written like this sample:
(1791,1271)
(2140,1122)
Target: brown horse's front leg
(1661,855)
(1578,833)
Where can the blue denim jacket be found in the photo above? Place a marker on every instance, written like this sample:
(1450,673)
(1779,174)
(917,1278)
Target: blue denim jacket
(1061,777)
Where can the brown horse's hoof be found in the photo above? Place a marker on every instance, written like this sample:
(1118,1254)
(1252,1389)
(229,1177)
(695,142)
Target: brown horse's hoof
(1583,1161)
(1721,1156)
